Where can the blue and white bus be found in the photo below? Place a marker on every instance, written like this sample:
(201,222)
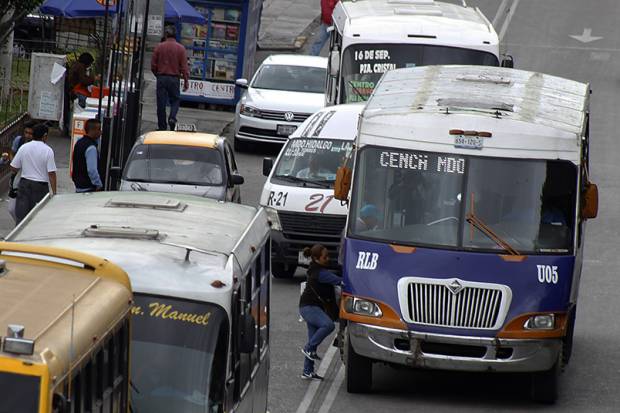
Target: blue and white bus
(477,180)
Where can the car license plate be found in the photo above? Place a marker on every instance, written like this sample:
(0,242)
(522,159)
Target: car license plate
(286,130)
(301,260)
(468,142)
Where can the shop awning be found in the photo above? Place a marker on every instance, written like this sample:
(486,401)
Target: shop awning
(175,10)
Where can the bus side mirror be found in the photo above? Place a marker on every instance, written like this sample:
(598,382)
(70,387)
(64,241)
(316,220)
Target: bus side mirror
(247,337)
(343,183)
(508,61)
(334,62)
(267,166)
(590,202)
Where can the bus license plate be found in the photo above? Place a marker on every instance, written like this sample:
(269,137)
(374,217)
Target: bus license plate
(468,142)
(301,260)
(286,130)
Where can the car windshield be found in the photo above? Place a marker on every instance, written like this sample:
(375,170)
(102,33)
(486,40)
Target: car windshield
(312,160)
(429,199)
(175,164)
(363,64)
(177,357)
(19,393)
(291,78)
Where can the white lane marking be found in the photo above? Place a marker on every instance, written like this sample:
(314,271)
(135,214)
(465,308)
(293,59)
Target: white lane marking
(586,36)
(511,13)
(333,391)
(314,385)
(500,12)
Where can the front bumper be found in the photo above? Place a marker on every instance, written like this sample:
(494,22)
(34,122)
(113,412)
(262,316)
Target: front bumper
(259,130)
(446,352)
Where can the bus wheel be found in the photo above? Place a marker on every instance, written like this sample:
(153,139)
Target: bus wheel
(358,373)
(280,270)
(545,384)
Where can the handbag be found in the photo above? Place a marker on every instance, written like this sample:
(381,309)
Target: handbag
(330,308)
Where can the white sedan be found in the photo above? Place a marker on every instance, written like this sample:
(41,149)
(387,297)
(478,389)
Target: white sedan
(285,90)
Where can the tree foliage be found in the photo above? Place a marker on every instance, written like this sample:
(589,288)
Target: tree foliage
(13,11)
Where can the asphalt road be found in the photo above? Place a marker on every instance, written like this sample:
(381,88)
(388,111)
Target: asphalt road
(538,34)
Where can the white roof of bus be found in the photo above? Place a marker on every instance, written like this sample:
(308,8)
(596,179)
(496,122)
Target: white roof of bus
(380,19)
(333,122)
(156,265)
(527,104)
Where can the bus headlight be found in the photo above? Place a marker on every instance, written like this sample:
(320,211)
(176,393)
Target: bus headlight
(274,220)
(363,307)
(540,322)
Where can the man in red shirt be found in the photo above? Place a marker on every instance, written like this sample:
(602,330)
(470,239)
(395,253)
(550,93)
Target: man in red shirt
(327,8)
(169,63)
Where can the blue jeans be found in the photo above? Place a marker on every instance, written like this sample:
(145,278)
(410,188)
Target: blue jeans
(319,327)
(168,90)
(320,40)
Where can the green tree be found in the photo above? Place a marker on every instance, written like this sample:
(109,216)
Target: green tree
(14,10)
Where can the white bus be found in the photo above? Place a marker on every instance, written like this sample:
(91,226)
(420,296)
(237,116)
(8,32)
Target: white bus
(200,273)
(370,37)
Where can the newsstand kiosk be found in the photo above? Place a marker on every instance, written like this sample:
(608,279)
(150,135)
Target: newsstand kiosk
(221,50)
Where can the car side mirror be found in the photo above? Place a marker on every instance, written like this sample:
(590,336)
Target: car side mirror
(508,61)
(236,179)
(267,166)
(242,83)
(343,183)
(247,335)
(590,202)
(334,62)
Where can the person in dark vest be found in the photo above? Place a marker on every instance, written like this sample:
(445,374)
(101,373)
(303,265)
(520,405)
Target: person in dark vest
(317,306)
(86,159)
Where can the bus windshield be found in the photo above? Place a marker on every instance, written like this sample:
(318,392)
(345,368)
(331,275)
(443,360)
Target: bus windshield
(19,393)
(428,199)
(175,355)
(311,160)
(363,64)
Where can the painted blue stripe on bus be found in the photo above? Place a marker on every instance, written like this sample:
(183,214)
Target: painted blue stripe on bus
(528,293)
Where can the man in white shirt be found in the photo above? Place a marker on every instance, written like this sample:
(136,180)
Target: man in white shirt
(38,171)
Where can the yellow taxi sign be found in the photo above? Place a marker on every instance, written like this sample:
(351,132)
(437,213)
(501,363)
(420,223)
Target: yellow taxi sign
(206,140)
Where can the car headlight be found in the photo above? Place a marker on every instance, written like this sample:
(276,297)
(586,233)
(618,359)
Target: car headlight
(274,220)
(249,110)
(363,307)
(540,322)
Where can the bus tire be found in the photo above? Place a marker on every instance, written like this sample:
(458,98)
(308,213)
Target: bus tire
(358,372)
(280,270)
(545,384)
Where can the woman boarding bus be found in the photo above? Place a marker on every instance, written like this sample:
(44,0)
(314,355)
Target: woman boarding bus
(200,272)
(66,318)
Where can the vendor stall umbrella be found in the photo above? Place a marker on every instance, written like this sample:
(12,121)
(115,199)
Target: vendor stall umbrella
(175,10)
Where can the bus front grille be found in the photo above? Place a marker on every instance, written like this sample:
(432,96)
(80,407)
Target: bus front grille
(454,303)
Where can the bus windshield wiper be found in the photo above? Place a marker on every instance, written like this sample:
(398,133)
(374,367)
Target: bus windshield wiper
(357,91)
(486,230)
(293,178)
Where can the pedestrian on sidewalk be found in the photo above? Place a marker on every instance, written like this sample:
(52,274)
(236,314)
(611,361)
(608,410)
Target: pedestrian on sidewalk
(18,142)
(327,8)
(169,64)
(35,160)
(317,306)
(86,159)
